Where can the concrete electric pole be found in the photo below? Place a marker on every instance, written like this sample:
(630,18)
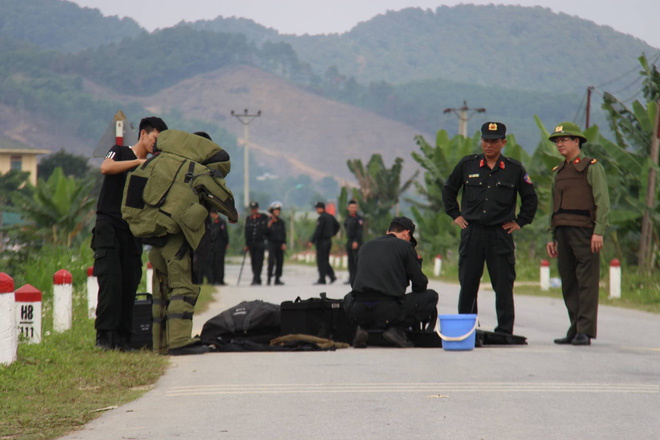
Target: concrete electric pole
(245,119)
(463,116)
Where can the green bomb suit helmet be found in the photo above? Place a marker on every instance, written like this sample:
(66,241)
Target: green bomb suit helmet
(568,129)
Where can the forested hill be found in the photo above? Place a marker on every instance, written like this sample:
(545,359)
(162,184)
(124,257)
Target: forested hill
(508,46)
(61,25)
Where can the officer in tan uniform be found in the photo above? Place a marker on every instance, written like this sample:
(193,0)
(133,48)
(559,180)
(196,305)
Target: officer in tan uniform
(580,205)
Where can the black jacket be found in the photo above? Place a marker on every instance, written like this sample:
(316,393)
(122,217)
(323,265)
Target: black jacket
(354,226)
(386,265)
(490,196)
(326,227)
(276,232)
(255,229)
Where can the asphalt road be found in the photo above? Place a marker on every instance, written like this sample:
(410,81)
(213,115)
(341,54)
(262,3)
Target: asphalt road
(609,390)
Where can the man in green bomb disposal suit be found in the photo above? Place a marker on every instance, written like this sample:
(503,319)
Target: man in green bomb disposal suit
(580,205)
(167,201)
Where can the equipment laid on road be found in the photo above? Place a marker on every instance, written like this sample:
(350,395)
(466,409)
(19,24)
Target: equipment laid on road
(255,320)
(322,317)
(141,331)
(484,337)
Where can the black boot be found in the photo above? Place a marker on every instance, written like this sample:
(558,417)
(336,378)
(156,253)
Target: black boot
(105,339)
(278,282)
(268,282)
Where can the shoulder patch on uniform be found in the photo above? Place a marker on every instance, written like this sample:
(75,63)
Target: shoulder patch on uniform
(527,179)
(593,161)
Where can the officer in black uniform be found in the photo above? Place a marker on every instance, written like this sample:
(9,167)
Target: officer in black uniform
(326,227)
(487,216)
(385,267)
(276,239)
(117,253)
(256,226)
(215,268)
(354,224)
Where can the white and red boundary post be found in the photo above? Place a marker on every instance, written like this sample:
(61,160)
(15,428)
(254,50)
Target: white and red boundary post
(545,275)
(92,293)
(437,265)
(344,261)
(150,278)
(119,132)
(28,313)
(8,338)
(615,279)
(62,301)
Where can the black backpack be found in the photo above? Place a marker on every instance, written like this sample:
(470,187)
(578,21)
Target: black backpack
(256,320)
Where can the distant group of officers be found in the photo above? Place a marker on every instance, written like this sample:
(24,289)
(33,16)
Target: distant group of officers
(380,270)
(269,232)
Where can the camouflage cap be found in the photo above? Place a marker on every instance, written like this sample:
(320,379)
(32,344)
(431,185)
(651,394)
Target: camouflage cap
(568,129)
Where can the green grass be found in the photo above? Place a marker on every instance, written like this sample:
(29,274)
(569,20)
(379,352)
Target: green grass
(64,382)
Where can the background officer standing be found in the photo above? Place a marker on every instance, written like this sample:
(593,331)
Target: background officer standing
(256,226)
(487,217)
(215,269)
(354,224)
(276,238)
(580,206)
(326,227)
(117,253)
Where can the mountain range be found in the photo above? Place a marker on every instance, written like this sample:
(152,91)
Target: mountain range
(324,98)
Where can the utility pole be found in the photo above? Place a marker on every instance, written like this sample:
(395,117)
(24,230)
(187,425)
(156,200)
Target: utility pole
(644,258)
(245,119)
(463,117)
(589,89)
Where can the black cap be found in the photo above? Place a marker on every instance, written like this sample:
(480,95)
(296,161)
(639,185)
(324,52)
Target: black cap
(408,225)
(319,205)
(493,130)
(254,205)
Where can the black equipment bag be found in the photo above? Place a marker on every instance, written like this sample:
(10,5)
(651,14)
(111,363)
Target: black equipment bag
(141,334)
(322,317)
(258,320)
(484,337)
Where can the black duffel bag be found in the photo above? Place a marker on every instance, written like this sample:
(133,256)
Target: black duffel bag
(322,317)
(258,321)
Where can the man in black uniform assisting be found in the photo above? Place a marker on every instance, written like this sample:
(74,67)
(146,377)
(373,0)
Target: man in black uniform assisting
(487,216)
(117,253)
(256,227)
(354,225)
(385,267)
(326,227)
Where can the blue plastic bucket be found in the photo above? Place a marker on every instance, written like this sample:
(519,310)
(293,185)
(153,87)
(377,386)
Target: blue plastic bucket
(458,332)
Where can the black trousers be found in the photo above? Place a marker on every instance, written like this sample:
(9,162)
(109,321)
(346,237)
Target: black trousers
(275,260)
(118,267)
(215,270)
(495,246)
(352,257)
(579,269)
(323,247)
(257,251)
(376,311)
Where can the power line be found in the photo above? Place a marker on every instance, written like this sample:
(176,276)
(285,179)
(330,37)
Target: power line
(579,108)
(657,57)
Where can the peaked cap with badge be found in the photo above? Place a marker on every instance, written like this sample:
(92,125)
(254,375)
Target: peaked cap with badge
(493,130)
(568,129)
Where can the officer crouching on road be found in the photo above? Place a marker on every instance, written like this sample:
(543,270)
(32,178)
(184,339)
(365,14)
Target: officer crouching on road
(385,267)
(487,217)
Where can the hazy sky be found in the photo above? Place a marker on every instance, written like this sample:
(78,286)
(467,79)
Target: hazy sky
(635,17)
